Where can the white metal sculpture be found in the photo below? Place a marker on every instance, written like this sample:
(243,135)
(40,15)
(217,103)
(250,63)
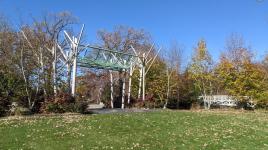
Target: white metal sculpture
(73,54)
(112,88)
(131,70)
(107,59)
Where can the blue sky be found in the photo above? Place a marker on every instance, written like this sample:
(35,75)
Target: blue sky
(184,21)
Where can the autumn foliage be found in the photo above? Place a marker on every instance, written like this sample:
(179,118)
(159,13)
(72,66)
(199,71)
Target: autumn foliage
(26,70)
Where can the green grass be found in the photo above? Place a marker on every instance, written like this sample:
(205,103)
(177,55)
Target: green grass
(152,130)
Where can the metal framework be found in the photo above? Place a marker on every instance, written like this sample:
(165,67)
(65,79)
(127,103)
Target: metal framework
(107,59)
(99,58)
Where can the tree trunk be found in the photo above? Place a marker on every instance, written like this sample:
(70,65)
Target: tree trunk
(206,101)
(168,89)
(25,80)
(43,80)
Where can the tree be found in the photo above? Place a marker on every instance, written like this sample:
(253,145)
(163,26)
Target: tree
(173,68)
(156,82)
(201,70)
(239,75)
(39,54)
(29,55)
(123,37)
(11,83)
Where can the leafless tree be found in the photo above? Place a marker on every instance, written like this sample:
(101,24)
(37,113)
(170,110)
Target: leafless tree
(173,66)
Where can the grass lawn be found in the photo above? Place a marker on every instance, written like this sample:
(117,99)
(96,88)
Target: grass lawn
(151,130)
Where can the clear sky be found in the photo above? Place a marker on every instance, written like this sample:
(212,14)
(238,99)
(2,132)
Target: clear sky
(184,21)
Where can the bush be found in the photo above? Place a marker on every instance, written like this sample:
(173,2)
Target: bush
(58,104)
(195,105)
(39,100)
(55,108)
(149,102)
(64,102)
(78,107)
(2,111)
(262,102)
(11,89)
(82,107)
(4,106)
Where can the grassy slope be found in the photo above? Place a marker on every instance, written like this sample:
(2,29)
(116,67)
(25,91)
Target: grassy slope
(154,130)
